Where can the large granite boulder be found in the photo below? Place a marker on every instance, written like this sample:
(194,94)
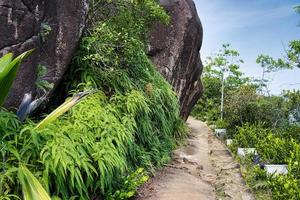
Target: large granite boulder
(175,51)
(52,27)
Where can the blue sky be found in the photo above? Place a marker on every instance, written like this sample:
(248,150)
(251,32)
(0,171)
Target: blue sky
(252,27)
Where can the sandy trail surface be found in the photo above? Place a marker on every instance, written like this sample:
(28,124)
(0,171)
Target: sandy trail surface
(202,170)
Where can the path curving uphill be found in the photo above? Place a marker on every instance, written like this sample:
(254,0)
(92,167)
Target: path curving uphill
(201,170)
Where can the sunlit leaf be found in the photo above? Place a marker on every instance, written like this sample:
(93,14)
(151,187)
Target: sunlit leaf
(8,72)
(32,188)
(67,105)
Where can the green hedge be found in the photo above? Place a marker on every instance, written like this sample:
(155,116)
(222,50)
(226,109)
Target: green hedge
(274,147)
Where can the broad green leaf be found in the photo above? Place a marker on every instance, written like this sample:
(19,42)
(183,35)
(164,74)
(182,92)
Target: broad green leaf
(8,73)
(7,67)
(5,61)
(32,188)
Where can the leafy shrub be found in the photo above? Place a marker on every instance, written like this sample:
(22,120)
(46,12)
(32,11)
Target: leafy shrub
(284,187)
(274,150)
(248,136)
(294,160)
(221,124)
(208,107)
(256,178)
(244,105)
(222,66)
(271,148)
(130,185)
(238,106)
(289,132)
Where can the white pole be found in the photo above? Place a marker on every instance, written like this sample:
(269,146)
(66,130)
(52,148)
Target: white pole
(222,95)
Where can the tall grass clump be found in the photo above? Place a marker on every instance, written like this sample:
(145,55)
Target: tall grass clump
(130,122)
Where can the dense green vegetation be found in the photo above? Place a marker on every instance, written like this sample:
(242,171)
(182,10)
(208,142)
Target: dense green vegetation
(274,146)
(130,121)
(256,119)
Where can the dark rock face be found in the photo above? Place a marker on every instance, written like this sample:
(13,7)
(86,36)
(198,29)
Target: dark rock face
(53,28)
(175,51)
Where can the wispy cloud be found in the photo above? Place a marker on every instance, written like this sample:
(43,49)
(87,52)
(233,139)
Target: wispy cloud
(230,18)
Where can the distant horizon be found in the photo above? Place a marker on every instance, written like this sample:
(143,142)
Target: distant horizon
(252,28)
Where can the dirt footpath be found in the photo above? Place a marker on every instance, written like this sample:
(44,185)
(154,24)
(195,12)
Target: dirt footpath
(202,170)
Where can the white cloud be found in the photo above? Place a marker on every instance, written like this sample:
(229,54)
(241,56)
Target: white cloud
(216,17)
